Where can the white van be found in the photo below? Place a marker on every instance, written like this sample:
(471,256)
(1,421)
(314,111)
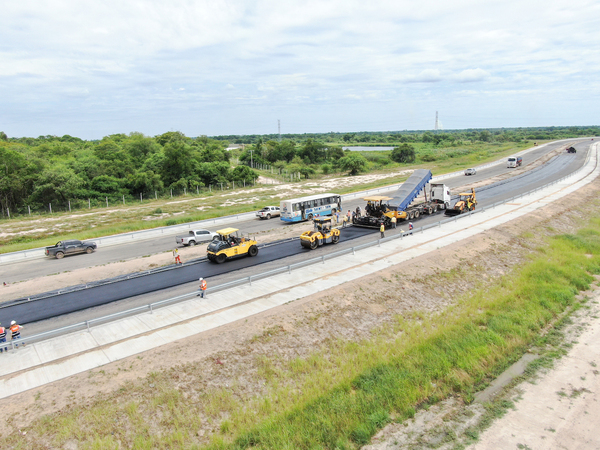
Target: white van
(514,161)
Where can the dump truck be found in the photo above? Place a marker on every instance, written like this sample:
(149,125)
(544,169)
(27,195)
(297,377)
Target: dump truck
(381,209)
(324,233)
(466,202)
(229,244)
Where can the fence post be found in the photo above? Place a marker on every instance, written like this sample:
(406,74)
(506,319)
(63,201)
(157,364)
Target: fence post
(89,204)
(69,208)
(107,202)
(123,198)
(28,209)
(50,205)
(8,210)
(140,198)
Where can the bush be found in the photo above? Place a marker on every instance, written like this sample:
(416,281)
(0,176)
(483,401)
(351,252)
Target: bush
(403,154)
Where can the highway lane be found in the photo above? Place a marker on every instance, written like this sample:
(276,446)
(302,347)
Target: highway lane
(554,169)
(45,308)
(40,267)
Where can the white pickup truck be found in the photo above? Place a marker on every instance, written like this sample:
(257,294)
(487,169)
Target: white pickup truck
(195,237)
(268,211)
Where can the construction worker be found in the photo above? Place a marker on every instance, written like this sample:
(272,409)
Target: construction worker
(176,256)
(349,217)
(394,222)
(202,288)
(410,227)
(382,230)
(15,330)
(3,338)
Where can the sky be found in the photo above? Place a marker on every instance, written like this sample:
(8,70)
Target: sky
(94,68)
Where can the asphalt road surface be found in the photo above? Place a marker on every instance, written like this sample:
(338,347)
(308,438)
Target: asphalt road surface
(182,280)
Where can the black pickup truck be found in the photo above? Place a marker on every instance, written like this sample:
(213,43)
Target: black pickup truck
(63,248)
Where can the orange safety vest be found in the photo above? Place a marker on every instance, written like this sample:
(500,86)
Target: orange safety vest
(2,332)
(15,330)
(203,285)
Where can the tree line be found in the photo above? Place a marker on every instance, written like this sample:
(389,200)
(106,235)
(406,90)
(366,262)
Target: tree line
(49,169)
(35,172)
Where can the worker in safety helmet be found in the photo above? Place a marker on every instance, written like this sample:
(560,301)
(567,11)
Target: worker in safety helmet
(3,338)
(202,288)
(15,330)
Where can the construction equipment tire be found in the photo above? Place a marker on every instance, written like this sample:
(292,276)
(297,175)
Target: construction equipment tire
(335,238)
(314,244)
(253,250)
(220,259)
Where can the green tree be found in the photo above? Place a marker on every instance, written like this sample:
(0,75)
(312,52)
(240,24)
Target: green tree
(56,184)
(312,151)
(403,154)
(354,163)
(170,137)
(243,173)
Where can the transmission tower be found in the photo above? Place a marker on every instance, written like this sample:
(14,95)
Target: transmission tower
(279,128)
(437,122)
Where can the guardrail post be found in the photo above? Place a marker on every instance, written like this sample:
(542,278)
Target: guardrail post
(378,242)
(290,269)
(150,305)
(353,251)
(250,280)
(440,224)
(88,325)
(323,259)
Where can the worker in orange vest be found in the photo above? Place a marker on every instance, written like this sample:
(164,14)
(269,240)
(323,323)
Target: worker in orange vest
(177,257)
(15,330)
(202,288)
(3,338)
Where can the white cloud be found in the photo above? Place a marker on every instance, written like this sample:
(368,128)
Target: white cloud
(471,75)
(365,58)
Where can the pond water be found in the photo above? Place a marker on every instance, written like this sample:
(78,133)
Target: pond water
(368,149)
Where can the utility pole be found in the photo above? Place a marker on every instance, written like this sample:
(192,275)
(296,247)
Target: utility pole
(279,128)
(437,123)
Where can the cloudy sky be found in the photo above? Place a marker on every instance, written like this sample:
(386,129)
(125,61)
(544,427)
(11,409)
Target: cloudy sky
(93,68)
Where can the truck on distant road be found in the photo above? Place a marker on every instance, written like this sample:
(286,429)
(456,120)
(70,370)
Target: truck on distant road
(71,247)
(268,211)
(514,161)
(195,237)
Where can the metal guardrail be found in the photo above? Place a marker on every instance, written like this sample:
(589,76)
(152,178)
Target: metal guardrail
(248,280)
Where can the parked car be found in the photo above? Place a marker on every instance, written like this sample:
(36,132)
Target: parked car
(71,247)
(268,211)
(470,172)
(195,237)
